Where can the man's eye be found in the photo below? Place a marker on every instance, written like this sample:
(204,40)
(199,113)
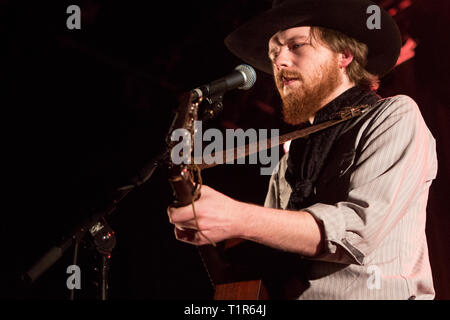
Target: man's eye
(296,46)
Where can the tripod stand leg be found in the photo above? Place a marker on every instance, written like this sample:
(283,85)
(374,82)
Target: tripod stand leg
(105,275)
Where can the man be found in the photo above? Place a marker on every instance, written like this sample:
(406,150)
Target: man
(349,201)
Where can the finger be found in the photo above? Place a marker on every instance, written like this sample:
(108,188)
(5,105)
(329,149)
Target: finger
(191,236)
(187,225)
(180,215)
(169,213)
(186,235)
(195,236)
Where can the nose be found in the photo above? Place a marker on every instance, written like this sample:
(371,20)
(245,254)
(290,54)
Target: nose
(282,59)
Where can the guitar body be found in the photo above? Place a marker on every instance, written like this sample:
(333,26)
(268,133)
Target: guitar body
(229,284)
(242,290)
(233,275)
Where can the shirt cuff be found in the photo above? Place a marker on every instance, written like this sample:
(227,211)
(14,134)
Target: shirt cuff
(339,244)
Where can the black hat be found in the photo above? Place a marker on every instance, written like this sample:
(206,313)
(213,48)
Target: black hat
(250,41)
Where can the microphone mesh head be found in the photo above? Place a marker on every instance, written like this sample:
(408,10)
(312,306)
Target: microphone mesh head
(249,74)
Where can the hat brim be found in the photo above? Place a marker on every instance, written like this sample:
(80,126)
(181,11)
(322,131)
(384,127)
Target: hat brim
(250,41)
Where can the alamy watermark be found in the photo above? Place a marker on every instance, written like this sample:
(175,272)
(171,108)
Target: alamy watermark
(74,280)
(218,152)
(374,21)
(226,149)
(74,20)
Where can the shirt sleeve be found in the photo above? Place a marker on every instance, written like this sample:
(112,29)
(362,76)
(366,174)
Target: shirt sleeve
(394,165)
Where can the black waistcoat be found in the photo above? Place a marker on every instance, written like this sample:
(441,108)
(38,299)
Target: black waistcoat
(309,155)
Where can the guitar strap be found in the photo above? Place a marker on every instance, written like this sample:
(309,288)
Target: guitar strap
(341,116)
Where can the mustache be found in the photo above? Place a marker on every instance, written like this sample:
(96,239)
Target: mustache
(288,74)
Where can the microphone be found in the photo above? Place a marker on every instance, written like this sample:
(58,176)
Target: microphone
(242,77)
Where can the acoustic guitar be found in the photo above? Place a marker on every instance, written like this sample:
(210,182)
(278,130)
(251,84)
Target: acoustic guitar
(229,282)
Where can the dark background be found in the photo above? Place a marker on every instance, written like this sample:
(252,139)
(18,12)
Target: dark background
(84,110)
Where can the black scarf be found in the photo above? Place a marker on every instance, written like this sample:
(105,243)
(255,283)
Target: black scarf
(308,156)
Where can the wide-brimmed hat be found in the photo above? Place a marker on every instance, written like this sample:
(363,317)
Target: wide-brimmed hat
(250,41)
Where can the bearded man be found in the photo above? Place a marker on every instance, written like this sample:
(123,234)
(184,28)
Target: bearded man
(348,202)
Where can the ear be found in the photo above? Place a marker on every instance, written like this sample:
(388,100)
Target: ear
(345,58)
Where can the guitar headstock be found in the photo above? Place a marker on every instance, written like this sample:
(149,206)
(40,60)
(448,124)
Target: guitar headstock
(182,175)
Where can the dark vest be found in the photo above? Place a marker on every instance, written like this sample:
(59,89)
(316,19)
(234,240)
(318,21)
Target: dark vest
(308,156)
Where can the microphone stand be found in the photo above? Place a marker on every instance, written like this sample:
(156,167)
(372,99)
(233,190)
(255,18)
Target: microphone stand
(104,241)
(104,238)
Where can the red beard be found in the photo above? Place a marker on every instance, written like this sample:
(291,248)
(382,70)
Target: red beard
(307,97)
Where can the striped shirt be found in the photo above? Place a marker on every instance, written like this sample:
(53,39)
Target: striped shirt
(371,202)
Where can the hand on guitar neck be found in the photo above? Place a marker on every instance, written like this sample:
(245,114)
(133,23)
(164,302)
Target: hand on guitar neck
(220,218)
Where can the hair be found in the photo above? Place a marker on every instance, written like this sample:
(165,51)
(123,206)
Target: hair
(338,43)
